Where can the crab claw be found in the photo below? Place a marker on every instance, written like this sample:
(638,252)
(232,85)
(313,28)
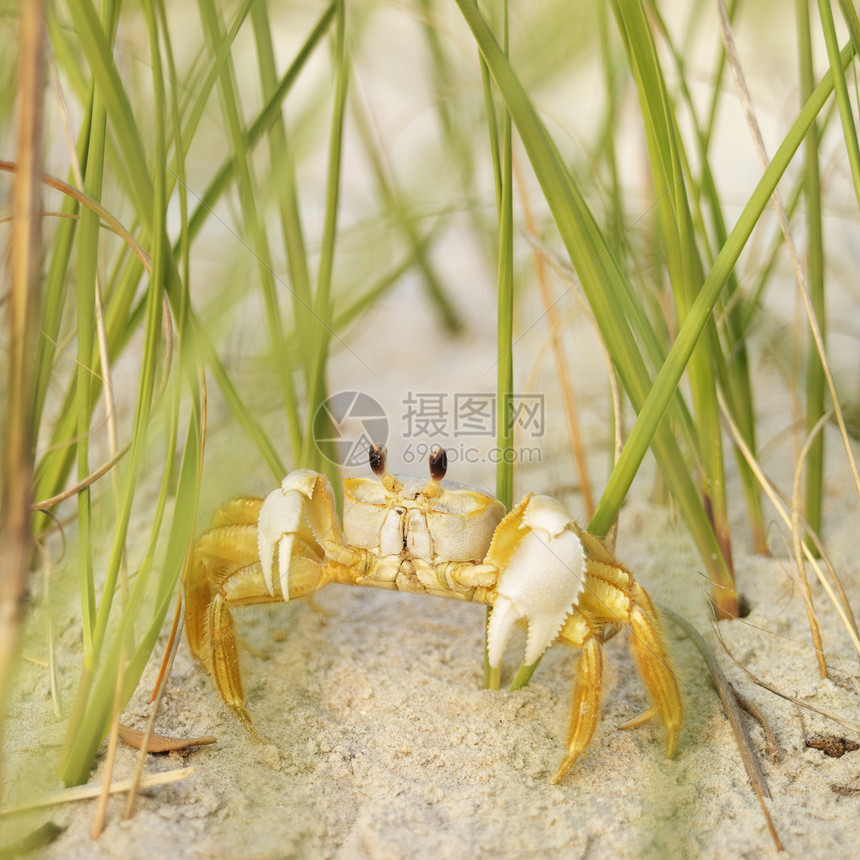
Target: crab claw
(294,521)
(542,571)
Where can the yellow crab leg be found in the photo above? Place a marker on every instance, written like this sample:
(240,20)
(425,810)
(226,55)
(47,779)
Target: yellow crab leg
(229,545)
(219,655)
(649,649)
(237,512)
(222,660)
(585,712)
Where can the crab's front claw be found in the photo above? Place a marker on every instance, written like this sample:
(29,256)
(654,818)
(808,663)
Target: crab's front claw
(541,566)
(296,522)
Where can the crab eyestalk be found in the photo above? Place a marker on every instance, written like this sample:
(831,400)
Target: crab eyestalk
(438,463)
(438,467)
(377,456)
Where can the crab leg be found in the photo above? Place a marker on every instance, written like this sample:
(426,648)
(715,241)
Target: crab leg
(612,598)
(229,543)
(235,563)
(649,650)
(216,640)
(585,711)
(222,660)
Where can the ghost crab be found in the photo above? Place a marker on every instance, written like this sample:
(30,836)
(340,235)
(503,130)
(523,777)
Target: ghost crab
(533,565)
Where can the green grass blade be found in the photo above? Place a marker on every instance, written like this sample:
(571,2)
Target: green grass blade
(117,104)
(234,400)
(253,224)
(84,733)
(264,121)
(398,216)
(602,281)
(730,353)
(283,171)
(322,297)
(505,330)
(843,100)
(86,281)
(683,262)
(505,306)
(815,382)
(670,374)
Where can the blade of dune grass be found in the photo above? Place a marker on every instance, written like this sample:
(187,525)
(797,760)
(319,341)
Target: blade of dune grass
(505,304)
(505,331)
(120,322)
(89,719)
(815,383)
(603,281)
(56,283)
(843,100)
(399,217)
(234,400)
(22,304)
(607,146)
(671,371)
(457,135)
(791,247)
(264,121)
(730,353)
(94,725)
(322,299)
(253,226)
(585,245)
(283,167)
(386,281)
(188,119)
(684,267)
(87,257)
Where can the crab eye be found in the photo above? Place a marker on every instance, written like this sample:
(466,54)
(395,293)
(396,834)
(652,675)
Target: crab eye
(438,463)
(376,456)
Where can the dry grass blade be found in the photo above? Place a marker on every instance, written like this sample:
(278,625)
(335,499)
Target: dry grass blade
(769,738)
(854,727)
(113,223)
(144,747)
(567,276)
(88,792)
(796,544)
(17,431)
(834,591)
(732,710)
(110,758)
(553,323)
(161,743)
(845,790)
(746,104)
(47,504)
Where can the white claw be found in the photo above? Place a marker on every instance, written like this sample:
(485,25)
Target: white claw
(540,582)
(278,523)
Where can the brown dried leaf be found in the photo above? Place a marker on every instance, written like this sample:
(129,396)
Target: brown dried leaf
(161,743)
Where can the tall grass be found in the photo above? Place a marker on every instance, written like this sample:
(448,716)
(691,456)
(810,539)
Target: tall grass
(130,317)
